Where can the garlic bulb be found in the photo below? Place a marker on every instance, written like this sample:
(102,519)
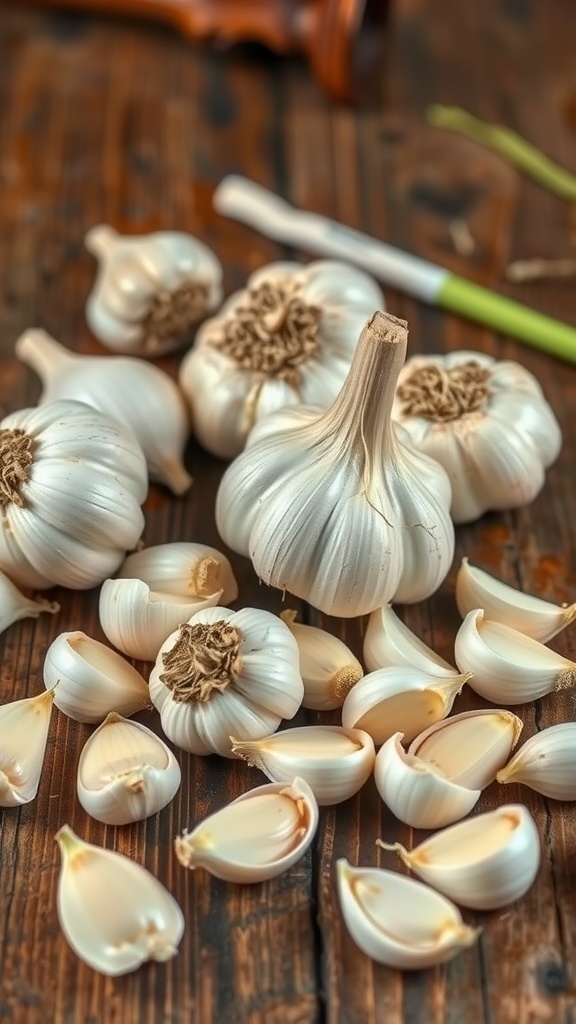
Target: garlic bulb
(184,569)
(333,761)
(404,700)
(508,667)
(388,642)
(223,674)
(368,515)
(15,606)
(328,668)
(150,290)
(485,421)
(137,620)
(256,837)
(470,748)
(71,486)
(546,763)
(398,921)
(484,863)
(529,615)
(125,772)
(287,339)
(132,392)
(114,914)
(93,680)
(24,728)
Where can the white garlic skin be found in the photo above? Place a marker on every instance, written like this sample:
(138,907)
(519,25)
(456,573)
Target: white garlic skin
(389,642)
(328,668)
(182,568)
(114,914)
(15,606)
(546,763)
(470,748)
(24,726)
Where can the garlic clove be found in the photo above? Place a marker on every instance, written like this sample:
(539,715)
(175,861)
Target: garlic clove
(397,921)
(546,763)
(484,863)
(532,616)
(137,620)
(389,642)
(114,914)
(335,762)
(470,748)
(416,792)
(24,728)
(328,668)
(183,569)
(397,699)
(508,667)
(15,606)
(256,837)
(126,773)
(93,680)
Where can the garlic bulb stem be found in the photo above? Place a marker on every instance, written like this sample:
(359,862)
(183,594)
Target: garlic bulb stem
(100,240)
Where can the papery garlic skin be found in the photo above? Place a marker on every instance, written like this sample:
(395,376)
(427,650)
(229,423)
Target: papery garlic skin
(24,726)
(286,339)
(138,621)
(328,668)
(397,921)
(72,508)
(114,914)
(532,616)
(15,606)
(182,568)
(389,642)
(150,290)
(484,863)
(486,421)
(369,517)
(470,748)
(335,762)
(256,837)
(508,667)
(92,679)
(141,397)
(225,673)
(546,763)
(126,773)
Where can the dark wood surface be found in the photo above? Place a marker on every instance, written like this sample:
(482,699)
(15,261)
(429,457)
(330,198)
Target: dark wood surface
(107,120)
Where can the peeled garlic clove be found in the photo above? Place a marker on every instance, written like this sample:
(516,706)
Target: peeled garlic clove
(113,912)
(125,773)
(403,700)
(137,620)
(24,728)
(469,748)
(546,763)
(485,862)
(15,606)
(256,837)
(398,921)
(93,680)
(335,762)
(328,668)
(538,619)
(416,792)
(183,569)
(508,667)
(389,642)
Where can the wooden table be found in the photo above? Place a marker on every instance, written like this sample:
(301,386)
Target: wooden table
(104,120)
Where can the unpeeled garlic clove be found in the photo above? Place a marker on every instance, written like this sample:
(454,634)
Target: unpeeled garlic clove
(506,666)
(256,837)
(335,762)
(125,773)
(389,642)
(93,680)
(405,700)
(183,569)
(546,763)
(484,863)
(328,668)
(138,621)
(398,921)
(24,728)
(416,792)
(15,606)
(532,616)
(469,748)
(114,914)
